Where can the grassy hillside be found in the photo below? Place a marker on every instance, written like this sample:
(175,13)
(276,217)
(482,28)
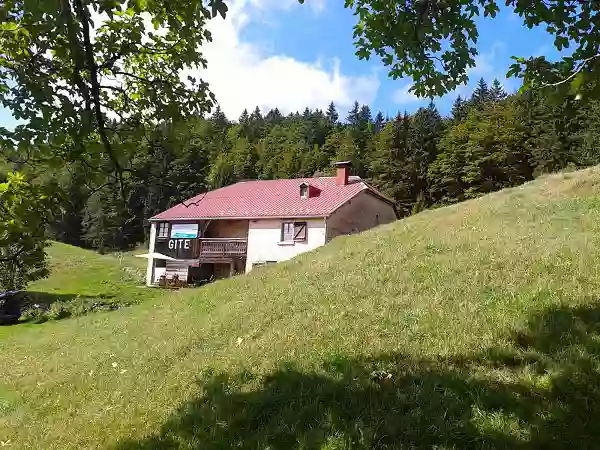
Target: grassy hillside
(85,272)
(80,278)
(472,326)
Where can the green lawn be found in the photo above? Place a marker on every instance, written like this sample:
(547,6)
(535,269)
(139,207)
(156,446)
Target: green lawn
(75,270)
(472,326)
(80,278)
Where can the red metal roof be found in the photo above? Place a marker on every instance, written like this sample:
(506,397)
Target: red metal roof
(269,198)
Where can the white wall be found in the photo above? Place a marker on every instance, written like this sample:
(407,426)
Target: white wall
(264,240)
(150,267)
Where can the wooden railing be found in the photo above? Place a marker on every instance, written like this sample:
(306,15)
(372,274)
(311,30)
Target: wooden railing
(223,247)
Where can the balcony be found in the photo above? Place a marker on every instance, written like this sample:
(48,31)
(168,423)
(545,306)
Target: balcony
(226,248)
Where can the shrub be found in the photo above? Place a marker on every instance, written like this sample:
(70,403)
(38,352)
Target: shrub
(34,314)
(59,310)
(80,306)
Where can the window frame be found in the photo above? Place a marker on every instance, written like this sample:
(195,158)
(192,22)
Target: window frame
(162,226)
(296,230)
(304,191)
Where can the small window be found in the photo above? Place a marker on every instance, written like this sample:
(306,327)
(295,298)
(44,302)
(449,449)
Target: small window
(287,231)
(304,190)
(293,231)
(163,230)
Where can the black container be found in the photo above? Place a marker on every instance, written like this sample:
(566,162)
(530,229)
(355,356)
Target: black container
(10,307)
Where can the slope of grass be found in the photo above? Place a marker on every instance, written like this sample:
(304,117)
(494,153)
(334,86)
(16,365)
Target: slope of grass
(472,326)
(80,278)
(85,272)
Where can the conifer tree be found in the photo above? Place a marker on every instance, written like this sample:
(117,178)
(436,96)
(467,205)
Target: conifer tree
(497,92)
(332,114)
(481,95)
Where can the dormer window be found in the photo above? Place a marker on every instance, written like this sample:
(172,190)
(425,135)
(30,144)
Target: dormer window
(304,190)
(308,190)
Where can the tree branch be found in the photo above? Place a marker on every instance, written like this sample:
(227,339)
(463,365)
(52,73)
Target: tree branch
(574,74)
(75,45)
(84,19)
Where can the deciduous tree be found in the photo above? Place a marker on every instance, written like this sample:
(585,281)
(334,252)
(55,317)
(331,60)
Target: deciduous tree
(435,41)
(25,209)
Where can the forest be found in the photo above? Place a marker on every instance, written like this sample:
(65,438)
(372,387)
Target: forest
(490,140)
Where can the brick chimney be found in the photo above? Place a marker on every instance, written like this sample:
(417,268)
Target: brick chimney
(342,172)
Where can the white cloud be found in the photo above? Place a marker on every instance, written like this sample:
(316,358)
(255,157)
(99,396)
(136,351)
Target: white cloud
(483,65)
(403,96)
(242,75)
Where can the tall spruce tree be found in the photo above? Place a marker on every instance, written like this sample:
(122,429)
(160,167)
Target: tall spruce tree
(219,119)
(390,158)
(424,132)
(353,118)
(378,122)
(460,109)
(497,92)
(332,114)
(481,95)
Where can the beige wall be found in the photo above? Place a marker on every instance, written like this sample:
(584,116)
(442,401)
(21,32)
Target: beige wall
(359,214)
(227,229)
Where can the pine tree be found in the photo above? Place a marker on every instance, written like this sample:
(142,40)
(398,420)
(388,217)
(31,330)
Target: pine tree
(387,166)
(481,95)
(109,221)
(554,129)
(256,115)
(274,117)
(497,92)
(426,126)
(340,146)
(332,114)
(219,118)
(364,116)
(353,118)
(460,109)
(378,123)
(244,118)
(68,227)
(256,126)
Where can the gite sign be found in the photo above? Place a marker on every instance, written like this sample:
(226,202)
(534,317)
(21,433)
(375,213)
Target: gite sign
(177,248)
(176,244)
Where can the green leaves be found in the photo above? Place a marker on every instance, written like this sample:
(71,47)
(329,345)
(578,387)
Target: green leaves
(68,86)
(25,210)
(434,42)
(219,7)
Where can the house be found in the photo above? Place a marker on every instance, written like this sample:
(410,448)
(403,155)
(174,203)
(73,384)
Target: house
(250,223)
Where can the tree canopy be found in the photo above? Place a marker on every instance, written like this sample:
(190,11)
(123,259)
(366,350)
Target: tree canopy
(71,68)
(25,209)
(435,41)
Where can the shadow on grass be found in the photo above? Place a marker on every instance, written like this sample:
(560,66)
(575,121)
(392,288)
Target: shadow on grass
(541,392)
(37,307)
(46,299)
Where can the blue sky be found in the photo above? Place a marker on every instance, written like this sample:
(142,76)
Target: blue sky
(279,53)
